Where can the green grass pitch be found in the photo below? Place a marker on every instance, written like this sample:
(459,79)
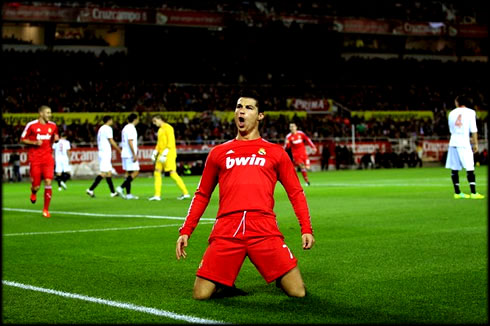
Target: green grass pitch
(392,246)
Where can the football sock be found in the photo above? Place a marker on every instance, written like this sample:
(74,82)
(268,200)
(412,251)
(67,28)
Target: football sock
(455,178)
(65,176)
(48,192)
(96,182)
(58,179)
(111,185)
(305,176)
(179,182)
(471,180)
(126,181)
(158,183)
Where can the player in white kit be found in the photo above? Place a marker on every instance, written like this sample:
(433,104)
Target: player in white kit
(129,155)
(105,142)
(462,124)
(62,162)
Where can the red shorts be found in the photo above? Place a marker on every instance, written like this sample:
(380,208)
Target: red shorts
(44,170)
(301,159)
(225,255)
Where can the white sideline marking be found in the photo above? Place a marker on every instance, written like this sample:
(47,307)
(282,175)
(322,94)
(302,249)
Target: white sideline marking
(123,305)
(103,215)
(96,230)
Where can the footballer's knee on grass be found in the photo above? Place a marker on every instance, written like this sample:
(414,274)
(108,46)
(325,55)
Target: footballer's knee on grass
(292,283)
(203,289)
(47,182)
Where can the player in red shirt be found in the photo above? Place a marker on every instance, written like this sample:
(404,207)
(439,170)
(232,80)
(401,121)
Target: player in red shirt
(247,169)
(40,135)
(295,140)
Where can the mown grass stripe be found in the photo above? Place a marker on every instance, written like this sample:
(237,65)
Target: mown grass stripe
(122,305)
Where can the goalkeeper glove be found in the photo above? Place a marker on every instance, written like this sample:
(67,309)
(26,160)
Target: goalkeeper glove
(163,157)
(154,155)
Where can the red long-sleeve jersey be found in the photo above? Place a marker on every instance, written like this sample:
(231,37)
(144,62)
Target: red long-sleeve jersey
(297,141)
(247,172)
(46,132)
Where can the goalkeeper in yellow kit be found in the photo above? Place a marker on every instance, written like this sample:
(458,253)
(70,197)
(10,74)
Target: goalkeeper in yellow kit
(164,156)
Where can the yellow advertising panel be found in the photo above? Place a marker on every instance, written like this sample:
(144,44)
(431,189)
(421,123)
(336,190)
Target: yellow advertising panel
(121,117)
(395,115)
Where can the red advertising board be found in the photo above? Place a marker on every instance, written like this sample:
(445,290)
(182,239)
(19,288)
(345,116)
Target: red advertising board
(16,12)
(434,149)
(113,15)
(349,25)
(189,18)
(89,155)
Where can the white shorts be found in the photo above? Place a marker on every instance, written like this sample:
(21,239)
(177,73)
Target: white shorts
(129,165)
(460,157)
(62,165)
(105,164)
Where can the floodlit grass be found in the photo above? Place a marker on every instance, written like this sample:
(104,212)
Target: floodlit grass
(393,246)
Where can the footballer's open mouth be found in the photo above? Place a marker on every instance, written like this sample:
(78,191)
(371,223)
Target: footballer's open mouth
(241,122)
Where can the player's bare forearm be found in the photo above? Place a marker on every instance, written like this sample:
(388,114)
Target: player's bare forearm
(130,142)
(474,141)
(308,240)
(113,143)
(31,142)
(181,245)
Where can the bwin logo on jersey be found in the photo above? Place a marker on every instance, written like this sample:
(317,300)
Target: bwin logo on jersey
(251,160)
(43,137)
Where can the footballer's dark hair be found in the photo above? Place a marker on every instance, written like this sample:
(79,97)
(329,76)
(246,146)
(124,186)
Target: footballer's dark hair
(132,117)
(251,93)
(462,99)
(106,118)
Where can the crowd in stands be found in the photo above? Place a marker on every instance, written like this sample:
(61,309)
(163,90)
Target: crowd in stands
(83,82)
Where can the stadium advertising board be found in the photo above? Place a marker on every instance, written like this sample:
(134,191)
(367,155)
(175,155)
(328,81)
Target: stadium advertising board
(14,11)
(395,115)
(189,18)
(17,12)
(112,15)
(434,150)
(310,105)
(367,26)
(14,119)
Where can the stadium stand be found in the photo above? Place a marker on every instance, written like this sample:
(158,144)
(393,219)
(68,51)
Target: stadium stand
(169,68)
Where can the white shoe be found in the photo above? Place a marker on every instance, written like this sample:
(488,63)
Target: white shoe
(114,194)
(154,198)
(120,192)
(90,193)
(184,197)
(130,196)
(63,185)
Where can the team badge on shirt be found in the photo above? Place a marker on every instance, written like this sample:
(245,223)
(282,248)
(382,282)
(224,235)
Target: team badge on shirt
(262,151)
(49,130)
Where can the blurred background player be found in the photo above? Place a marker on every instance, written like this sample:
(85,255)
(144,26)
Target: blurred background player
(104,142)
(40,135)
(295,142)
(164,156)
(462,123)
(247,169)
(14,160)
(129,155)
(62,161)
